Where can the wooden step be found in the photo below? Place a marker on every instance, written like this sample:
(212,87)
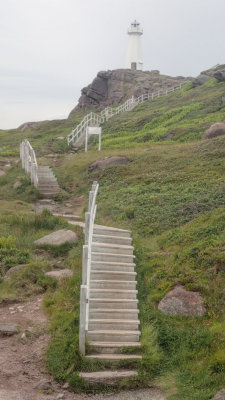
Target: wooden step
(112,248)
(110,257)
(113,324)
(113,357)
(108,335)
(113,303)
(112,239)
(112,266)
(109,231)
(107,377)
(104,313)
(111,293)
(112,347)
(110,284)
(113,275)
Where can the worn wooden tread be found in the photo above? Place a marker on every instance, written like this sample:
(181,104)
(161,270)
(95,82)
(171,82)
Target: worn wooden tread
(114,357)
(115,344)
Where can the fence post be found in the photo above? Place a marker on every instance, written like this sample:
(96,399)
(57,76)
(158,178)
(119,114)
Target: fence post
(83,297)
(87,226)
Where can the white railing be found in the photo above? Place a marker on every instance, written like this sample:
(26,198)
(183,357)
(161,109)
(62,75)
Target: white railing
(29,162)
(94,119)
(86,266)
(91,119)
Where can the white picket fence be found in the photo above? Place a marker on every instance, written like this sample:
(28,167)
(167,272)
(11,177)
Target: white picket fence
(86,266)
(29,161)
(93,119)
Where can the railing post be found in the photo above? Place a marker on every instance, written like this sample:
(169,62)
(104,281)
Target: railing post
(87,226)
(84,264)
(91,195)
(86,140)
(100,141)
(83,297)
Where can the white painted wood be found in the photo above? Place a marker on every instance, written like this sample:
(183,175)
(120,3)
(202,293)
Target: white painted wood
(82,337)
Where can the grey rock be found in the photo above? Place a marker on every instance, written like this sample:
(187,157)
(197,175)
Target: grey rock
(2,173)
(201,79)
(60,138)
(43,384)
(113,87)
(16,184)
(14,269)
(215,130)
(106,162)
(1,149)
(60,396)
(59,274)
(66,386)
(220,395)
(23,338)
(8,329)
(179,301)
(59,237)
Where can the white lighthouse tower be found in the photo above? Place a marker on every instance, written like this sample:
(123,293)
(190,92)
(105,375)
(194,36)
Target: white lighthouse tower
(134,56)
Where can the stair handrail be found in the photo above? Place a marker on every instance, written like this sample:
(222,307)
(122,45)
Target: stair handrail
(109,112)
(29,161)
(86,265)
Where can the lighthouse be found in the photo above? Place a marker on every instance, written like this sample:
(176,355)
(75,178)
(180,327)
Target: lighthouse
(134,56)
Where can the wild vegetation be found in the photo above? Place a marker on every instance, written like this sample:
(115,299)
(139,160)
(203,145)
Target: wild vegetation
(171,195)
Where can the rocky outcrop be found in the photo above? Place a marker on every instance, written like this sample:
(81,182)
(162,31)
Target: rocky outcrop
(215,130)
(113,87)
(179,301)
(107,162)
(217,72)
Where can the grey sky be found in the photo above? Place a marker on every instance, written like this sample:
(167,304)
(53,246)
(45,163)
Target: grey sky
(50,49)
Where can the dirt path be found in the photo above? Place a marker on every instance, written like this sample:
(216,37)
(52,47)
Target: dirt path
(22,365)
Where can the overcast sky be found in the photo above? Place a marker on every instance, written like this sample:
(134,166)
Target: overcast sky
(51,49)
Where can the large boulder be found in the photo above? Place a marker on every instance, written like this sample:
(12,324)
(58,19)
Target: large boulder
(57,238)
(106,162)
(215,130)
(220,395)
(179,301)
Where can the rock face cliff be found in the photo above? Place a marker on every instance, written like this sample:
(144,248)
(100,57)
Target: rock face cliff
(114,87)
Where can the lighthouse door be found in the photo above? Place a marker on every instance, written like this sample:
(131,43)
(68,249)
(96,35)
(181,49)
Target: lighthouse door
(134,65)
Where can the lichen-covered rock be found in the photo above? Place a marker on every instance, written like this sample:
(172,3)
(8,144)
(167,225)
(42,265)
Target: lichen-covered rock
(179,301)
(215,130)
(106,162)
(220,395)
(59,237)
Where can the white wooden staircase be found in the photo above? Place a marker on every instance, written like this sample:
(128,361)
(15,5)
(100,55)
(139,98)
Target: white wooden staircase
(113,305)
(109,314)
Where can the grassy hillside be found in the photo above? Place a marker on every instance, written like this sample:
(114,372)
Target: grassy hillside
(171,195)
